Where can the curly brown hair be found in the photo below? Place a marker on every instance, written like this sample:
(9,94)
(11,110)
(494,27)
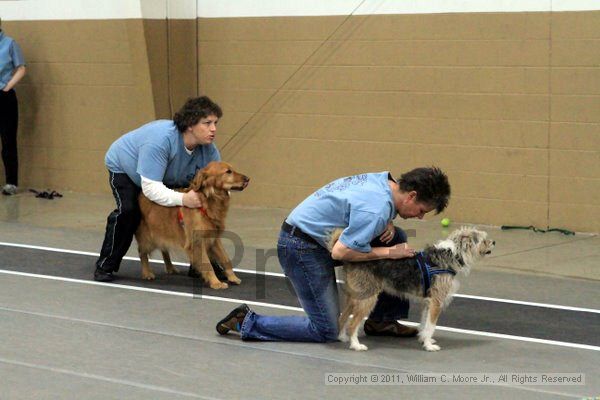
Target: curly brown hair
(193,110)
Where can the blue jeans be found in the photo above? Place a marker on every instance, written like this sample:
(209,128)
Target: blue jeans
(310,269)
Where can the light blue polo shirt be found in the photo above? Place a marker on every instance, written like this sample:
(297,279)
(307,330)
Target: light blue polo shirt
(362,204)
(156,151)
(11,57)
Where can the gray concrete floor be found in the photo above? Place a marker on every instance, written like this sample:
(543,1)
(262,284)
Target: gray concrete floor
(77,340)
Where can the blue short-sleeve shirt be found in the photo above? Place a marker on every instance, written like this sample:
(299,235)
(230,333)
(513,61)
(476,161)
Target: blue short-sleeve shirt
(362,204)
(11,57)
(156,151)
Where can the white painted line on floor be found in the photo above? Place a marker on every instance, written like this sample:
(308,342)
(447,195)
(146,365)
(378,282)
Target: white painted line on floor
(276,274)
(102,378)
(28,246)
(511,337)
(529,303)
(149,290)
(277,306)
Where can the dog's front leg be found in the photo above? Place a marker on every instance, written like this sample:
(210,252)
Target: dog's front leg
(431,313)
(201,263)
(171,269)
(221,256)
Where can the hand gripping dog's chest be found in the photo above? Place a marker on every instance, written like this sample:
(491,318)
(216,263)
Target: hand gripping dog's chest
(427,271)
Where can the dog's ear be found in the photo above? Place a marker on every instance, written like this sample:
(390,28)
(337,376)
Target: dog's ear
(466,242)
(447,253)
(198,181)
(210,183)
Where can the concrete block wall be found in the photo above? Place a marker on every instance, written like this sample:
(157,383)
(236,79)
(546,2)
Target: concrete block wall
(504,96)
(94,72)
(505,102)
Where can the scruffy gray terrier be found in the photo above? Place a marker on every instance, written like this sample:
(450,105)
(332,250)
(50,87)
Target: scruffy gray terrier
(430,276)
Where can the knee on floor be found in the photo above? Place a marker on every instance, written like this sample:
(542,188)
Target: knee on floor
(328,335)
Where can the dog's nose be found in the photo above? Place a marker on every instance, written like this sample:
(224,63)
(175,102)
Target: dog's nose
(246,179)
(493,242)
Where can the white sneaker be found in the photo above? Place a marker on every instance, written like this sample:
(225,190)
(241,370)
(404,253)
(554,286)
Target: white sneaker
(9,189)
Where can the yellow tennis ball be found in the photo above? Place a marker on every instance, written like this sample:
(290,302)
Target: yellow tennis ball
(445,222)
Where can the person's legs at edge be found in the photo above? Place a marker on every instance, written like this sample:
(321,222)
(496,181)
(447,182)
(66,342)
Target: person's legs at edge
(8,132)
(121,225)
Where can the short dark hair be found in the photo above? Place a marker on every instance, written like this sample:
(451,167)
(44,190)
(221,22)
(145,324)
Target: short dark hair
(194,109)
(431,185)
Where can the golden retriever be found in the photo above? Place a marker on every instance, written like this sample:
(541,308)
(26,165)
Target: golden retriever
(196,230)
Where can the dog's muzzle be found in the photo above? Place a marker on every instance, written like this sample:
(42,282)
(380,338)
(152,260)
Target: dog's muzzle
(490,250)
(246,182)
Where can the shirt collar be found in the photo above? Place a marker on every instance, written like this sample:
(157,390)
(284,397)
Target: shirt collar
(390,178)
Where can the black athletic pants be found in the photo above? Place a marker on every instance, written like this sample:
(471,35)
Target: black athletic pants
(121,224)
(9,120)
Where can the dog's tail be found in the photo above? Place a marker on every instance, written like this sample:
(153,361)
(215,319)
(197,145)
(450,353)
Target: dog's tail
(334,235)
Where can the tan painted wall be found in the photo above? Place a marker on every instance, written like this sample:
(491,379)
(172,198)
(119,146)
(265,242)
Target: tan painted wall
(172,55)
(88,82)
(508,104)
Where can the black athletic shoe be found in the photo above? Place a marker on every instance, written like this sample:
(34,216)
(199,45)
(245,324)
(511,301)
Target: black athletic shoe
(101,275)
(233,320)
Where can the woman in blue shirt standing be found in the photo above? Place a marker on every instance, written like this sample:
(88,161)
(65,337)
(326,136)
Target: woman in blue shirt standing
(12,70)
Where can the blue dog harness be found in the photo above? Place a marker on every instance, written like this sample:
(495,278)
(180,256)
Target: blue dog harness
(427,271)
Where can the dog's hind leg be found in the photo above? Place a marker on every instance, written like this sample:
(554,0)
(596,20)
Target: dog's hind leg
(361,309)
(221,256)
(147,273)
(145,247)
(169,267)
(343,321)
(431,313)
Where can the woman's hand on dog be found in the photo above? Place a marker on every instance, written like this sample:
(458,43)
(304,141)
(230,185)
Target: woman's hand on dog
(342,253)
(193,199)
(396,251)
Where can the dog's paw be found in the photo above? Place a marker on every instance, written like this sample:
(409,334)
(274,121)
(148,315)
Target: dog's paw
(172,270)
(234,280)
(343,337)
(424,339)
(428,346)
(218,285)
(149,276)
(359,347)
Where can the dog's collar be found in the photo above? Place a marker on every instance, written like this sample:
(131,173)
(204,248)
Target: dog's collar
(427,271)
(180,214)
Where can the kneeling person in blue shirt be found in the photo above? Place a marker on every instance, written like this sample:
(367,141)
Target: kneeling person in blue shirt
(152,158)
(365,206)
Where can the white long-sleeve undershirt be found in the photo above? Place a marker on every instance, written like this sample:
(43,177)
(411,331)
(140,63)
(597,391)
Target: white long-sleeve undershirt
(157,192)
